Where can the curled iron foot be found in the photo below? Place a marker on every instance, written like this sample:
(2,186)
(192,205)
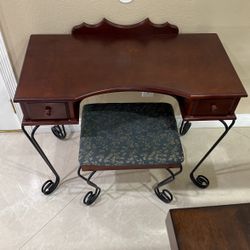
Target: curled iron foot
(164,195)
(185,126)
(90,197)
(200,181)
(59,131)
(49,186)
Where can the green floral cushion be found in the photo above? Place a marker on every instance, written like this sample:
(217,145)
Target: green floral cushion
(118,134)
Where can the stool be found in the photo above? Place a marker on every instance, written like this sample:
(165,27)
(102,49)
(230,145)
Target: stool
(129,136)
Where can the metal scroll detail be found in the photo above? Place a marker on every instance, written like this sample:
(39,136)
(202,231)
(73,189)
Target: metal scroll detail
(49,186)
(201,181)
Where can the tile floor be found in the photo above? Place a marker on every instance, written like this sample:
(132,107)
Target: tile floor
(127,215)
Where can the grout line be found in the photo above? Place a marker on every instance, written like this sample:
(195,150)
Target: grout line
(51,219)
(145,197)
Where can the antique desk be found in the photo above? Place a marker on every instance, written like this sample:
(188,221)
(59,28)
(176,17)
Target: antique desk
(59,71)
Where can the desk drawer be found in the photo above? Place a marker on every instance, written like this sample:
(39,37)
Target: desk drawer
(211,107)
(46,111)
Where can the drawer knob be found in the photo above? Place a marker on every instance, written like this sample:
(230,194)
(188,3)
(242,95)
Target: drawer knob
(48,110)
(214,107)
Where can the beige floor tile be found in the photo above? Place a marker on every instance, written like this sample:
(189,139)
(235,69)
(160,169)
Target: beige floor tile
(227,168)
(127,215)
(127,222)
(243,131)
(23,208)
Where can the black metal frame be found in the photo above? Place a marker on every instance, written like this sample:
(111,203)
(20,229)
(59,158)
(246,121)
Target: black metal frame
(59,131)
(91,196)
(201,181)
(49,186)
(165,195)
(185,126)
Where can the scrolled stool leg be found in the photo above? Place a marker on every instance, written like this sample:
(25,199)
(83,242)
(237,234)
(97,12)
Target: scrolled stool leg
(91,196)
(165,195)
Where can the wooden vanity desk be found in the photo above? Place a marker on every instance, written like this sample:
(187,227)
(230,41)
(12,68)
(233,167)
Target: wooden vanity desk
(59,71)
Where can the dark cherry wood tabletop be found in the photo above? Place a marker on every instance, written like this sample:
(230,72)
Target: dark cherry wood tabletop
(210,228)
(189,65)
(59,71)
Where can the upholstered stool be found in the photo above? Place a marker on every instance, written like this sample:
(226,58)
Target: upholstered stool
(129,135)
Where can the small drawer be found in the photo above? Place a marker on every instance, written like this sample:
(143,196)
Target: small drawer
(211,107)
(46,111)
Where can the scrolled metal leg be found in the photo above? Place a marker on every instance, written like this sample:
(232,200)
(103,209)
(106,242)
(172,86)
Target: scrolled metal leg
(201,181)
(91,196)
(185,126)
(59,131)
(49,186)
(165,195)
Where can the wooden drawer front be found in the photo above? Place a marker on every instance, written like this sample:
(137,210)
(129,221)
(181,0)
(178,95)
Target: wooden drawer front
(211,107)
(46,111)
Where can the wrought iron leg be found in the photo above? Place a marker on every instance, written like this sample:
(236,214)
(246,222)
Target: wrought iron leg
(165,195)
(59,131)
(49,186)
(185,126)
(201,181)
(91,196)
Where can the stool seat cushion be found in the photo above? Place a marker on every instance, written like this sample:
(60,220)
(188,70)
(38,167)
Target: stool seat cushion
(123,134)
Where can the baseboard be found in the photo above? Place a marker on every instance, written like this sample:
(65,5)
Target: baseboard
(243,120)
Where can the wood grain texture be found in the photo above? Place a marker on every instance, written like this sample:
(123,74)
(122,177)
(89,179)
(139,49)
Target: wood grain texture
(210,228)
(106,57)
(60,67)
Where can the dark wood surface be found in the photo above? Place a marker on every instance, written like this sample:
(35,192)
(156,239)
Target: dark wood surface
(106,28)
(210,228)
(60,67)
(124,167)
(59,71)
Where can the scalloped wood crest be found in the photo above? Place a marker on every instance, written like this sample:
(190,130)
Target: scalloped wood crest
(106,27)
